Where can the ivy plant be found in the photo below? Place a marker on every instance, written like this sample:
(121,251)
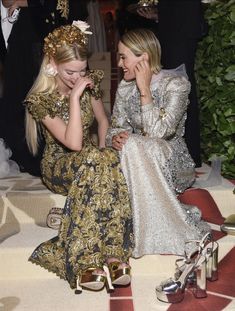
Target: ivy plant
(215,75)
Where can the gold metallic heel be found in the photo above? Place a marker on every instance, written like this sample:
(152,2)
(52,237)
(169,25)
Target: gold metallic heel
(92,279)
(120,273)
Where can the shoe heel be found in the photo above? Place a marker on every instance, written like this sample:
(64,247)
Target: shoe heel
(200,286)
(191,281)
(108,283)
(78,289)
(212,264)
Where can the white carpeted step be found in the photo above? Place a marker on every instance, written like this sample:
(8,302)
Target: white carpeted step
(56,295)
(222,193)
(48,295)
(16,249)
(25,286)
(24,199)
(36,289)
(24,205)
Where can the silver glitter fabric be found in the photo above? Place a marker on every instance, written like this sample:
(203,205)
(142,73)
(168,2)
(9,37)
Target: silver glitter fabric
(157,165)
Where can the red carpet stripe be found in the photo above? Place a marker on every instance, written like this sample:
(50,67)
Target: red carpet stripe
(210,303)
(204,201)
(218,234)
(118,302)
(121,305)
(122,292)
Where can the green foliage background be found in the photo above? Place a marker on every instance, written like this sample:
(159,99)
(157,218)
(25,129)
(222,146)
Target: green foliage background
(215,74)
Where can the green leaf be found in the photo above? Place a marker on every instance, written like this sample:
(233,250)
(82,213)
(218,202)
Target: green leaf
(215,76)
(230,76)
(232,15)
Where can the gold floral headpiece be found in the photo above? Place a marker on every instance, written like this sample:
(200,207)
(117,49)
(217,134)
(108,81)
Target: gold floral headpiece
(68,34)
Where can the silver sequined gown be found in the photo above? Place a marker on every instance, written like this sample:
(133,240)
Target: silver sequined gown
(157,164)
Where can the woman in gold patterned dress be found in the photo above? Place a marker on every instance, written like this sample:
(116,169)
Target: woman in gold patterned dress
(95,238)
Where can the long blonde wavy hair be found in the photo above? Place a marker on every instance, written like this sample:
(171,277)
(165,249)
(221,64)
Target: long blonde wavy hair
(46,84)
(141,41)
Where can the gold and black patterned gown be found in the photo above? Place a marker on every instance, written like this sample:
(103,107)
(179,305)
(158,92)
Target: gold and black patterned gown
(97,220)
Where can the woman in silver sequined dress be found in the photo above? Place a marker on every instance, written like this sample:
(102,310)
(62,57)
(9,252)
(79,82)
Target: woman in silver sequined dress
(147,129)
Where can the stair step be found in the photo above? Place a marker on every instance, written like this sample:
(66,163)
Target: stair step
(222,193)
(47,295)
(16,249)
(24,199)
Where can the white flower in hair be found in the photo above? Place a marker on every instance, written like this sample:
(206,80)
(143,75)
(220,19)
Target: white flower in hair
(83,26)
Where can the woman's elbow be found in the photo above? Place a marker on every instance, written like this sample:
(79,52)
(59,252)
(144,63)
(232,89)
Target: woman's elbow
(76,149)
(74,146)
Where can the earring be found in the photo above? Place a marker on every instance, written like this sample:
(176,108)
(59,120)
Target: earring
(50,71)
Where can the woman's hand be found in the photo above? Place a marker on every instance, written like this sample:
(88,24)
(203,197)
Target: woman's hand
(143,75)
(119,140)
(79,87)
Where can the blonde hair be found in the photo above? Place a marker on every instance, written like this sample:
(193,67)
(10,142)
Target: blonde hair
(46,84)
(141,41)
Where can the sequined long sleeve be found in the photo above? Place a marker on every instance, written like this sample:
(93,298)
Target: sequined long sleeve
(162,120)
(119,120)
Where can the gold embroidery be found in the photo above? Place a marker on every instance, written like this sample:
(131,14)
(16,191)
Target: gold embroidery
(63,7)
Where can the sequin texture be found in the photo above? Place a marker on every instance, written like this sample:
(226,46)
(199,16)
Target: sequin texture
(157,165)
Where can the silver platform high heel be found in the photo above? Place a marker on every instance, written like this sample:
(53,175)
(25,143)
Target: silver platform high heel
(172,291)
(209,251)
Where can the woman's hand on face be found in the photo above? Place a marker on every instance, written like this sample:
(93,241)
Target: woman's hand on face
(79,87)
(143,76)
(119,140)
